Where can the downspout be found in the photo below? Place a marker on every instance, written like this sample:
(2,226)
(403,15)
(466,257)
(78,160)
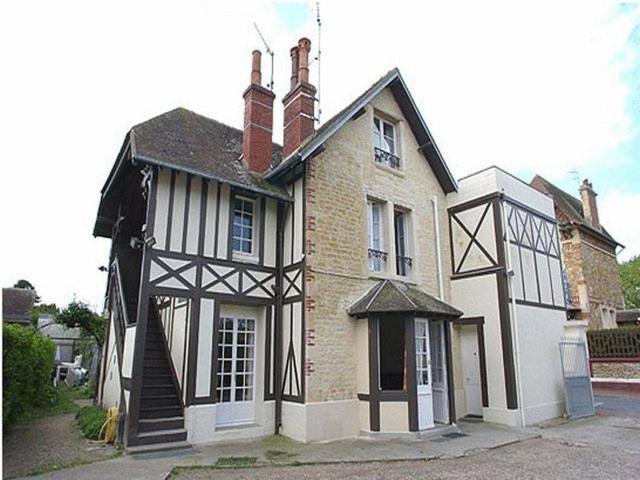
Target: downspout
(436,219)
(513,317)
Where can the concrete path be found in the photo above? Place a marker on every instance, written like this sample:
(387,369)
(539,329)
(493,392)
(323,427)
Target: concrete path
(618,405)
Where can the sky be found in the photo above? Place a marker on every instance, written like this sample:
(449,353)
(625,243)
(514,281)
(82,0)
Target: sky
(548,88)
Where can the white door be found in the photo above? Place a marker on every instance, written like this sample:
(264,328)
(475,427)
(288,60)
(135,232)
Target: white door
(423,371)
(471,369)
(235,391)
(439,372)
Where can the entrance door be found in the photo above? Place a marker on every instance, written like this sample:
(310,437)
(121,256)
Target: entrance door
(423,371)
(235,391)
(471,369)
(439,372)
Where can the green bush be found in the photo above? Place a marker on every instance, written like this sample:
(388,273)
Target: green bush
(26,372)
(91,420)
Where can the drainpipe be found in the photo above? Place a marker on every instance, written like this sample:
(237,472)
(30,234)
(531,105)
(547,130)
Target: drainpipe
(436,219)
(513,317)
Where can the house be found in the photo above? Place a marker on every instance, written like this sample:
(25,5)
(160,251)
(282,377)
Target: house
(628,318)
(17,304)
(320,289)
(589,255)
(66,340)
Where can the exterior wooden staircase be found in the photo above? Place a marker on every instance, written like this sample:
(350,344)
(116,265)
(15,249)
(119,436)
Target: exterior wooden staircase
(161,419)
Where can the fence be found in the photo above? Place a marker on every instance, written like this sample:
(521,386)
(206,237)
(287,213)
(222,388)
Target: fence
(614,345)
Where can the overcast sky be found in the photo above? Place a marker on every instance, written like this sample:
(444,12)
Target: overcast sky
(549,89)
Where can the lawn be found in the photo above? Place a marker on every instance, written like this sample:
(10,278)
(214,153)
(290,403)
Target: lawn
(61,400)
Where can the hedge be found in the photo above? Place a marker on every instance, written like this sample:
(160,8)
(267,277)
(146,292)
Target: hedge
(28,361)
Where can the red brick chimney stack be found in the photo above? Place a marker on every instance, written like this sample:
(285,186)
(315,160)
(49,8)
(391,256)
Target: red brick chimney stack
(299,103)
(257,148)
(589,205)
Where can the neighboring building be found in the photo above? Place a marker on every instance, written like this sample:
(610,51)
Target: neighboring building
(67,340)
(628,318)
(307,290)
(589,255)
(17,304)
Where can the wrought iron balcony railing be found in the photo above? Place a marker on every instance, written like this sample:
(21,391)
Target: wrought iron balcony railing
(403,265)
(387,158)
(377,259)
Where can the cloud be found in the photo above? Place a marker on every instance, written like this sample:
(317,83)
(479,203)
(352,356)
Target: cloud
(618,210)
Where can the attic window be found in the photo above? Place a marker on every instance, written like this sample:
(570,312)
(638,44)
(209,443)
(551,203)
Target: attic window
(385,143)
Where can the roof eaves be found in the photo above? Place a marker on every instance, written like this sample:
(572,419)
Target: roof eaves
(262,191)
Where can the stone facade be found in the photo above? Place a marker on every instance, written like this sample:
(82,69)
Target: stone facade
(594,281)
(339,181)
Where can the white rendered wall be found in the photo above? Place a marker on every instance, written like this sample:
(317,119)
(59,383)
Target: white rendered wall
(322,421)
(127,351)
(111,388)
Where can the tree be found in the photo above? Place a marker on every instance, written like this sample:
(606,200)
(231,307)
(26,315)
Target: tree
(630,279)
(79,315)
(27,285)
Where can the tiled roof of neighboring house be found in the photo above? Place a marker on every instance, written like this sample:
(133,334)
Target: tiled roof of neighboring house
(394,81)
(17,304)
(628,317)
(390,296)
(55,330)
(570,206)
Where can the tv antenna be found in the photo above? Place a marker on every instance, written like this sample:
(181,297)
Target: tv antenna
(319,22)
(269,51)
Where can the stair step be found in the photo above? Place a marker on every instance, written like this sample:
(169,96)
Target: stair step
(160,412)
(157,447)
(162,389)
(149,353)
(159,401)
(155,424)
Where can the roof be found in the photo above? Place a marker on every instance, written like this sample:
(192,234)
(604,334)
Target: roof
(570,206)
(394,81)
(56,330)
(390,296)
(628,316)
(17,304)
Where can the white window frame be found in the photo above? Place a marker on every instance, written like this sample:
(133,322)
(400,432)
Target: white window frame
(376,265)
(406,223)
(254,227)
(382,122)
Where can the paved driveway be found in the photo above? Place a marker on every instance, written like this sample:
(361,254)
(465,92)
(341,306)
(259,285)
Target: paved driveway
(530,459)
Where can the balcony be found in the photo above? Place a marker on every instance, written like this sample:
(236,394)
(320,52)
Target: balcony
(386,158)
(377,259)
(403,265)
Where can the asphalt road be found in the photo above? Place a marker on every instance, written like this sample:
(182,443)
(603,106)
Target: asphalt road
(618,406)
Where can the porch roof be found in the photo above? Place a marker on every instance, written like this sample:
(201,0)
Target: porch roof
(391,296)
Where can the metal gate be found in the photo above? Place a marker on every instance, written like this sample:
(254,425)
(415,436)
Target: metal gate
(577,380)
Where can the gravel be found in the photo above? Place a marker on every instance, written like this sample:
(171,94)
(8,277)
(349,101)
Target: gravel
(531,459)
(48,444)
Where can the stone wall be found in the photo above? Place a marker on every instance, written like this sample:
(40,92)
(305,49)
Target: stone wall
(339,180)
(615,370)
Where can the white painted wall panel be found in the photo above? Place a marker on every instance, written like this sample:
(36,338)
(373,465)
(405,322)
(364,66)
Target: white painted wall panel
(544,279)
(205,345)
(223,223)
(111,389)
(529,274)
(298,222)
(270,225)
(210,222)
(178,335)
(193,227)
(556,279)
(177,217)
(127,352)
(162,208)
(517,292)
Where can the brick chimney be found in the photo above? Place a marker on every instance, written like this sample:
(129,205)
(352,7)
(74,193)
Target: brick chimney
(589,205)
(258,121)
(299,103)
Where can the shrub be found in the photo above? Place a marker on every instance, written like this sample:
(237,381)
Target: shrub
(26,372)
(91,420)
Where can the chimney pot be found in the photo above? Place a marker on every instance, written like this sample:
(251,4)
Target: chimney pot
(294,67)
(304,46)
(589,204)
(256,74)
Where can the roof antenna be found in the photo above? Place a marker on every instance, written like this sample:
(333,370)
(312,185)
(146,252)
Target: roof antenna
(319,22)
(269,51)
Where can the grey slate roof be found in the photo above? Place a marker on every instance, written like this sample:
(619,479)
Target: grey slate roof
(56,330)
(17,304)
(391,296)
(395,82)
(189,142)
(628,317)
(570,206)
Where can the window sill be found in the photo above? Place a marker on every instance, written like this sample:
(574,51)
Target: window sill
(244,258)
(391,170)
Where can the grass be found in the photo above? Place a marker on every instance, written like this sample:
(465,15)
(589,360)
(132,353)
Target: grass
(235,462)
(90,420)
(60,401)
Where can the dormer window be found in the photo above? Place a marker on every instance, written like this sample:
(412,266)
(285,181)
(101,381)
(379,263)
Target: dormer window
(385,143)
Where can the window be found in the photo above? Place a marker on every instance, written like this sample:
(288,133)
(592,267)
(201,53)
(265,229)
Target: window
(384,143)
(377,256)
(403,260)
(391,355)
(243,226)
